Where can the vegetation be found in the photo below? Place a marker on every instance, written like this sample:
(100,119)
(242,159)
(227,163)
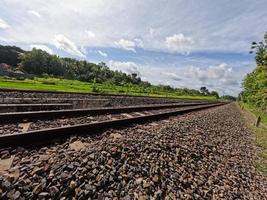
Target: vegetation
(254,100)
(255,83)
(42,64)
(56,84)
(250,113)
(10,55)
(52,72)
(228,97)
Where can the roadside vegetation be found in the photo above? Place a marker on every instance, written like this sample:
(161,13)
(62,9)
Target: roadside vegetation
(260,133)
(44,71)
(253,100)
(255,83)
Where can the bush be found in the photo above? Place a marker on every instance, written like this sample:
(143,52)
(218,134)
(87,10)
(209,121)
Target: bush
(20,78)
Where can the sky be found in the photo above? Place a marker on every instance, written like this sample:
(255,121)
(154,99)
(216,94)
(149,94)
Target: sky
(182,43)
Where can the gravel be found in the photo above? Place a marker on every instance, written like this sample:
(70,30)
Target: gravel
(203,155)
(112,100)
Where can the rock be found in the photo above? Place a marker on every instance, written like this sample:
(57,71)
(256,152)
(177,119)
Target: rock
(92,156)
(77,146)
(37,170)
(5,154)
(5,164)
(73,185)
(155,179)
(39,188)
(6,184)
(53,190)
(70,167)
(43,195)
(146,184)
(64,175)
(115,135)
(139,181)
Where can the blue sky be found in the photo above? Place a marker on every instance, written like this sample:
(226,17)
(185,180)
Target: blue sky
(184,43)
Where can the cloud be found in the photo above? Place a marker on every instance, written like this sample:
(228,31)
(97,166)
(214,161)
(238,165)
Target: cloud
(102,53)
(126,67)
(126,44)
(179,43)
(90,34)
(172,76)
(3,24)
(221,73)
(42,47)
(34,13)
(63,43)
(129,45)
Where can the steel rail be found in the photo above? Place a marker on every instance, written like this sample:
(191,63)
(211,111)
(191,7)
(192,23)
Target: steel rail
(38,115)
(38,137)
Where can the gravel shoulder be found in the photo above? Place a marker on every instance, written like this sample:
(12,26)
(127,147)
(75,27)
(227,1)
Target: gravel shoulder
(203,155)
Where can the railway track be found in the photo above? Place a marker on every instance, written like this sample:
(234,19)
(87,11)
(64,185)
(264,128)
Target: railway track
(38,115)
(44,133)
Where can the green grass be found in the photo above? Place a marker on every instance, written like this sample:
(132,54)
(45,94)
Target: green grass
(64,85)
(260,133)
(256,112)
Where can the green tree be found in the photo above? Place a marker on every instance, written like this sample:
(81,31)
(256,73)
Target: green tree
(204,91)
(260,48)
(255,83)
(215,94)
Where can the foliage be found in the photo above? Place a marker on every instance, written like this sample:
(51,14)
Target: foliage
(228,97)
(204,91)
(260,48)
(39,62)
(255,83)
(10,55)
(43,64)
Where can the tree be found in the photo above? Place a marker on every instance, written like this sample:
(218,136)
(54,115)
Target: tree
(228,97)
(215,94)
(10,55)
(260,48)
(204,91)
(255,83)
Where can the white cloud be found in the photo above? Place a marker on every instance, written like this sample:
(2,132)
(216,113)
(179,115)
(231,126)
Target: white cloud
(90,34)
(42,47)
(102,53)
(139,43)
(34,13)
(179,43)
(151,31)
(62,42)
(126,67)
(3,24)
(126,44)
(213,74)
(172,76)
(129,45)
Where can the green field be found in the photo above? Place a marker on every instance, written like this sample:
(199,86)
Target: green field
(56,84)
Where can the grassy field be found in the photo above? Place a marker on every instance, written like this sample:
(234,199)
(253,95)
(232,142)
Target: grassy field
(55,84)
(260,132)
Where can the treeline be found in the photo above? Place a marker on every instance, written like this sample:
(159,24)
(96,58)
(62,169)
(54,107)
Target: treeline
(41,63)
(255,83)
(10,55)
